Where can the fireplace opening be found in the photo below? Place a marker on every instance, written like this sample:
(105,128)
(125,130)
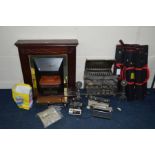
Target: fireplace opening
(49,76)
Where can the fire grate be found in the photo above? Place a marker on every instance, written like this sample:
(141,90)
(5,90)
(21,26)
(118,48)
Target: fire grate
(99,78)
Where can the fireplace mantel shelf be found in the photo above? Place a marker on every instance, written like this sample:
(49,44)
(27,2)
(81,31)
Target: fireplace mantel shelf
(53,42)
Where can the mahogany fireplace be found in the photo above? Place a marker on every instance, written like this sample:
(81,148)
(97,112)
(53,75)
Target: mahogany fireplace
(45,60)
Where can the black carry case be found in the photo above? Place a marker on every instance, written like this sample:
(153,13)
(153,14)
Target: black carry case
(131,61)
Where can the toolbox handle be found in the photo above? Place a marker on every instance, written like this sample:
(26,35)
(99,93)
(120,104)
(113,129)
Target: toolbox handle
(122,43)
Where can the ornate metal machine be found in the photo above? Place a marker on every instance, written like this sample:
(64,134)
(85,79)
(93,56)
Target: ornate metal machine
(99,78)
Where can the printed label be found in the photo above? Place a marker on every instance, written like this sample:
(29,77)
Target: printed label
(118,71)
(132,76)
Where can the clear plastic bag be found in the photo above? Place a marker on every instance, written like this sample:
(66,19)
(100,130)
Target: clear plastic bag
(49,116)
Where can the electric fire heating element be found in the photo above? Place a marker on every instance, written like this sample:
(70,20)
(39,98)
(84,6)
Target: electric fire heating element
(99,78)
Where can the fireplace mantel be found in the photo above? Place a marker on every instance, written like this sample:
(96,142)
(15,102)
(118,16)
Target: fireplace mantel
(47,43)
(27,48)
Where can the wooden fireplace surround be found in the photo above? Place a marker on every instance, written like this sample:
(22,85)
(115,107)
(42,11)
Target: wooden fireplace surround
(28,48)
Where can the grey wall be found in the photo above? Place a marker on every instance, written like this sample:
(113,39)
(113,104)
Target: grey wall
(94,43)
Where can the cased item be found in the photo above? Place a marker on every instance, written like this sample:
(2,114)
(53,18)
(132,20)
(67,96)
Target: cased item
(131,65)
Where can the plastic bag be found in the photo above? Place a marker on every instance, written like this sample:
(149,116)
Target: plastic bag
(22,95)
(49,116)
